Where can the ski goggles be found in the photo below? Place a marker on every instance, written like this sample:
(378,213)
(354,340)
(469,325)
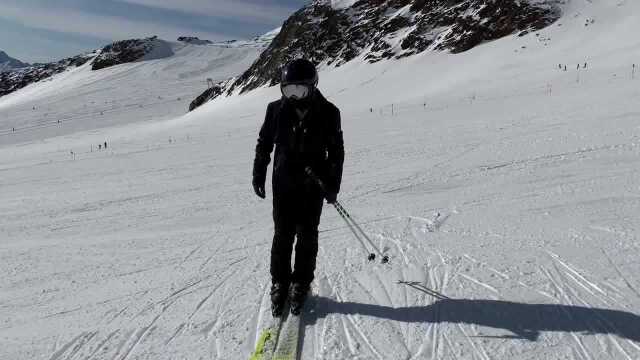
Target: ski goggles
(296,91)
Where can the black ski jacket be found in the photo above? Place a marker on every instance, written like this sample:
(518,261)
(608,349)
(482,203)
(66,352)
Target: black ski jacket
(314,141)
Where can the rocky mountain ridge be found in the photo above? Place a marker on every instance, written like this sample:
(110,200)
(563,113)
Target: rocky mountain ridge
(8,63)
(194,40)
(119,52)
(334,32)
(126,51)
(16,79)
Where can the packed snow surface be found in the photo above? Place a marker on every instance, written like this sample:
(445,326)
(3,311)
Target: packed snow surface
(157,89)
(504,189)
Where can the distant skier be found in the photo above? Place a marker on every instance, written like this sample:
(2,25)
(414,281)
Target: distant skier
(105,145)
(306,131)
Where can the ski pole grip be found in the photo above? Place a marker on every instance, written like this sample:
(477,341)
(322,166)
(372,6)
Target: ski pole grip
(315,178)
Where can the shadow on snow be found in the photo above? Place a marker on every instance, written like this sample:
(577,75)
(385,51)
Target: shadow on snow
(525,321)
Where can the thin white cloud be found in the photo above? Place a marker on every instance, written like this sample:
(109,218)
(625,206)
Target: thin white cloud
(235,9)
(103,27)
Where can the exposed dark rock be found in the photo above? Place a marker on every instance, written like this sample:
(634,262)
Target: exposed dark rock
(386,29)
(127,51)
(11,81)
(114,54)
(205,96)
(8,63)
(194,40)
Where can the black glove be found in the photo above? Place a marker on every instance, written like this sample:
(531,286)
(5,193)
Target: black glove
(331,197)
(258,187)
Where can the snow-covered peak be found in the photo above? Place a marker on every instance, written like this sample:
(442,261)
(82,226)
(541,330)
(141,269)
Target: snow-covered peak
(9,63)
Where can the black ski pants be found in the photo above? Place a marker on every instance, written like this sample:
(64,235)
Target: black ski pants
(296,216)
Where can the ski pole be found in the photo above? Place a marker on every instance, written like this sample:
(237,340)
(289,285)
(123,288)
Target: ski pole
(351,223)
(371,256)
(346,216)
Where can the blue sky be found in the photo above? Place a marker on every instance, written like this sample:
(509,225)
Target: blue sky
(46,30)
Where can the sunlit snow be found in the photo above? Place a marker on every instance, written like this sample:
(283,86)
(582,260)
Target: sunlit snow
(493,178)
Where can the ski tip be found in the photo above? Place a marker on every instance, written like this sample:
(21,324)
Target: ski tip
(261,350)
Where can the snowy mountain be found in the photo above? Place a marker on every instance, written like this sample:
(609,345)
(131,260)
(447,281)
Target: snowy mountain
(504,189)
(335,32)
(260,42)
(120,52)
(126,51)
(8,63)
(117,53)
(16,79)
(138,77)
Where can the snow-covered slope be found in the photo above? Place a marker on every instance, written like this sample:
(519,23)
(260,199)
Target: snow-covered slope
(119,52)
(16,79)
(82,99)
(492,177)
(262,41)
(8,63)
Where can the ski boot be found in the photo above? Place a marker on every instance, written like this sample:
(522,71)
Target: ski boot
(278,298)
(299,294)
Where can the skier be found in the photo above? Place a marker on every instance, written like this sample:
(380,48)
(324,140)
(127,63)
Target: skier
(306,131)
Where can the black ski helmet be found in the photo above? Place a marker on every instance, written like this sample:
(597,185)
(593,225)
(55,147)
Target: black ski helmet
(299,71)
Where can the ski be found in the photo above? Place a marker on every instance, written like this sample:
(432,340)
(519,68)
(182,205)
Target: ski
(287,348)
(267,340)
(289,345)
